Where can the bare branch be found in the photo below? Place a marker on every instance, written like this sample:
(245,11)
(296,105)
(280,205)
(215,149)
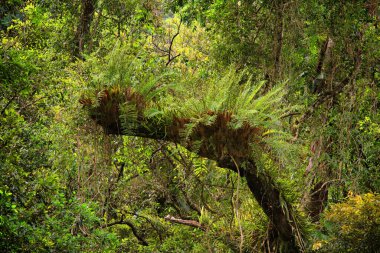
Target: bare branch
(191,223)
(168,52)
(170,58)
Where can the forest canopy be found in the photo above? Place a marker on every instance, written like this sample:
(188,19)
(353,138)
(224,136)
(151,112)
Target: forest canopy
(189,126)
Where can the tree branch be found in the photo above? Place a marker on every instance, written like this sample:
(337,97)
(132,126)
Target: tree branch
(191,223)
(170,58)
(169,52)
(129,224)
(8,103)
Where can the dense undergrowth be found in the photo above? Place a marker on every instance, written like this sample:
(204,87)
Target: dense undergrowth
(292,87)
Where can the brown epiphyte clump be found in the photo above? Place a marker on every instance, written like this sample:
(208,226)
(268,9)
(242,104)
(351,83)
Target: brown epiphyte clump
(107,111)
(218,135)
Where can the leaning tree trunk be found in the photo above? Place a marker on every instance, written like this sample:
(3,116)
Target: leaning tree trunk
(228,147)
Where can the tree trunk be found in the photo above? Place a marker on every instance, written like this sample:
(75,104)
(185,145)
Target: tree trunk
(278,39)
(215,140)
(83,30)
(318,200)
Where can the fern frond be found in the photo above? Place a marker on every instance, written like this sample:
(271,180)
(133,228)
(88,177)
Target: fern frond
(128,117)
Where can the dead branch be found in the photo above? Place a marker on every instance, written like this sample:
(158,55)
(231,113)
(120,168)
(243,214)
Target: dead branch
(191,223)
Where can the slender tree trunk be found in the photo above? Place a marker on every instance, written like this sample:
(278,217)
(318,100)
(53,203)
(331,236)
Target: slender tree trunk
(82,34)
(278,39)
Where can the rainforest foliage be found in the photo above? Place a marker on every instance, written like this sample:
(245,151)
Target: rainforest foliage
(189,126)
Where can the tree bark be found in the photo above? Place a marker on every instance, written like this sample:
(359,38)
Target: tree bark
(278,39)
(191,223)
(83,30)
(318,200)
